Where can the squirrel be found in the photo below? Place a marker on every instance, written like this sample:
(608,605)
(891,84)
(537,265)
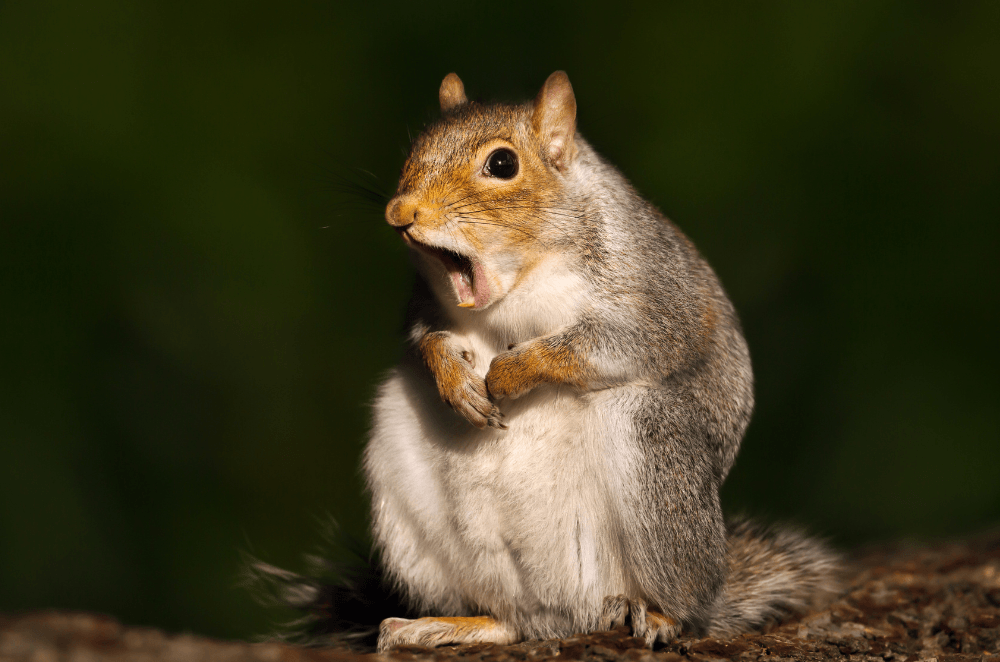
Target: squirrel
(546,459)
(602,386)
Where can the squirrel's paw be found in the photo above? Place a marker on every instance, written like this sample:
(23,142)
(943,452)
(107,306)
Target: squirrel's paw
(647,624)
(510,373)
(438,631)
(465,392)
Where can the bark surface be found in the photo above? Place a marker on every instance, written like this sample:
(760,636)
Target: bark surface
(904,603)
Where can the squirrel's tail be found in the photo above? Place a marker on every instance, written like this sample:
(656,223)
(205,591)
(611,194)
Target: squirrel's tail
(336,603)
(772,571)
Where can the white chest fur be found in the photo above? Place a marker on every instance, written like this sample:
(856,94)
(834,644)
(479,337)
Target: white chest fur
(513,522)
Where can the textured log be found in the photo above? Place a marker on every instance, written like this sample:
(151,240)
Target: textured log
(904,603)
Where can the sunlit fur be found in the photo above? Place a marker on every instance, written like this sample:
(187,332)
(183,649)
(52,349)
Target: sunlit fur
(635,390)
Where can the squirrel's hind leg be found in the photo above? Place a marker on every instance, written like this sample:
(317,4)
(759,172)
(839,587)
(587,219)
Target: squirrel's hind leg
(647,624)
(438,631)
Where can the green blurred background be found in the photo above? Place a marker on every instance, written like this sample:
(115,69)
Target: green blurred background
(194,318)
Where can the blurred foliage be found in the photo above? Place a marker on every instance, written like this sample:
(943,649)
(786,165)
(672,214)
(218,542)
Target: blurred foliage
(194,316)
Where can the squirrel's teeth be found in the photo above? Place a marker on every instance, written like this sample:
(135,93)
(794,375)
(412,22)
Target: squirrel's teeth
(463,285)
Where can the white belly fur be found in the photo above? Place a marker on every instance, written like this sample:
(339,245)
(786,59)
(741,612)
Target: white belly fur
(511,523)
(514,523)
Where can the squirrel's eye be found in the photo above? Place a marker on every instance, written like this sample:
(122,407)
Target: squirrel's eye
(501,163)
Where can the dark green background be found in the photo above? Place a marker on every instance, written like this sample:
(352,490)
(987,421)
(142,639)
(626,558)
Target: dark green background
(192,318)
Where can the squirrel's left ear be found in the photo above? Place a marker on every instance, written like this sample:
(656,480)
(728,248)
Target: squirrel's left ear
(452,93)
(554,118)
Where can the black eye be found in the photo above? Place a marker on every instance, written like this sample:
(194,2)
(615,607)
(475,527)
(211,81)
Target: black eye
(501,163)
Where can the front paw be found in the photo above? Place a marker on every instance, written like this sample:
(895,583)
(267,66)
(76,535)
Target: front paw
(509,374)
(465,392)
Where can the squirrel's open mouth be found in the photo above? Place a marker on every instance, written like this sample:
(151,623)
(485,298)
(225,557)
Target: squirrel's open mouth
(460,268)
(462,273)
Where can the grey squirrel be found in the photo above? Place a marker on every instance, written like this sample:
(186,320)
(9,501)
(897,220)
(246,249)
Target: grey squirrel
(546,460)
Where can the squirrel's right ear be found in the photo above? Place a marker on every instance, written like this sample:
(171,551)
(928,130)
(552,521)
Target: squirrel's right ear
(452,93)
(554,118)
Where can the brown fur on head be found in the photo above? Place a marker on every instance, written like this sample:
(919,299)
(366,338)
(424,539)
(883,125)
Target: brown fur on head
(476,229)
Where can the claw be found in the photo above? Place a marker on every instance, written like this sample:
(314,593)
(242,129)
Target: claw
(651,626)
(496,421)
(459,387)
(613,611)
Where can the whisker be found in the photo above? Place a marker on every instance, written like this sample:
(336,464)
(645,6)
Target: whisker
(555,211)
(509,223)
(502,225)
(557,225)
(466,204)
(451,230)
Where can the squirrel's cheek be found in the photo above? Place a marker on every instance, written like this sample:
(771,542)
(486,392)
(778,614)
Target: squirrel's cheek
(481,281)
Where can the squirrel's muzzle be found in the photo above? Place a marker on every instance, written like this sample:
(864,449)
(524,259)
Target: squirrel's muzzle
(402,212)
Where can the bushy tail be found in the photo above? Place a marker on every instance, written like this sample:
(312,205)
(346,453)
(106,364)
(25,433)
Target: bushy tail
(772,571)
(336,603)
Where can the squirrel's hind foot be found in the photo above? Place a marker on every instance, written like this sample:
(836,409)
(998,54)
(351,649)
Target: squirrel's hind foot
(646,624)
(438,631)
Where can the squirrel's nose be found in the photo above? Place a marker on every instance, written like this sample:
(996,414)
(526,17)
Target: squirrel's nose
(402,212)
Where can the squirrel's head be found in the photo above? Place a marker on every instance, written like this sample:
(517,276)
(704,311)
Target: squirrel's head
(482,195)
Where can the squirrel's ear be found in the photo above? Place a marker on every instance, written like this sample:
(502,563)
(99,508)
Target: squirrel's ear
(452,93)
(554,118)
